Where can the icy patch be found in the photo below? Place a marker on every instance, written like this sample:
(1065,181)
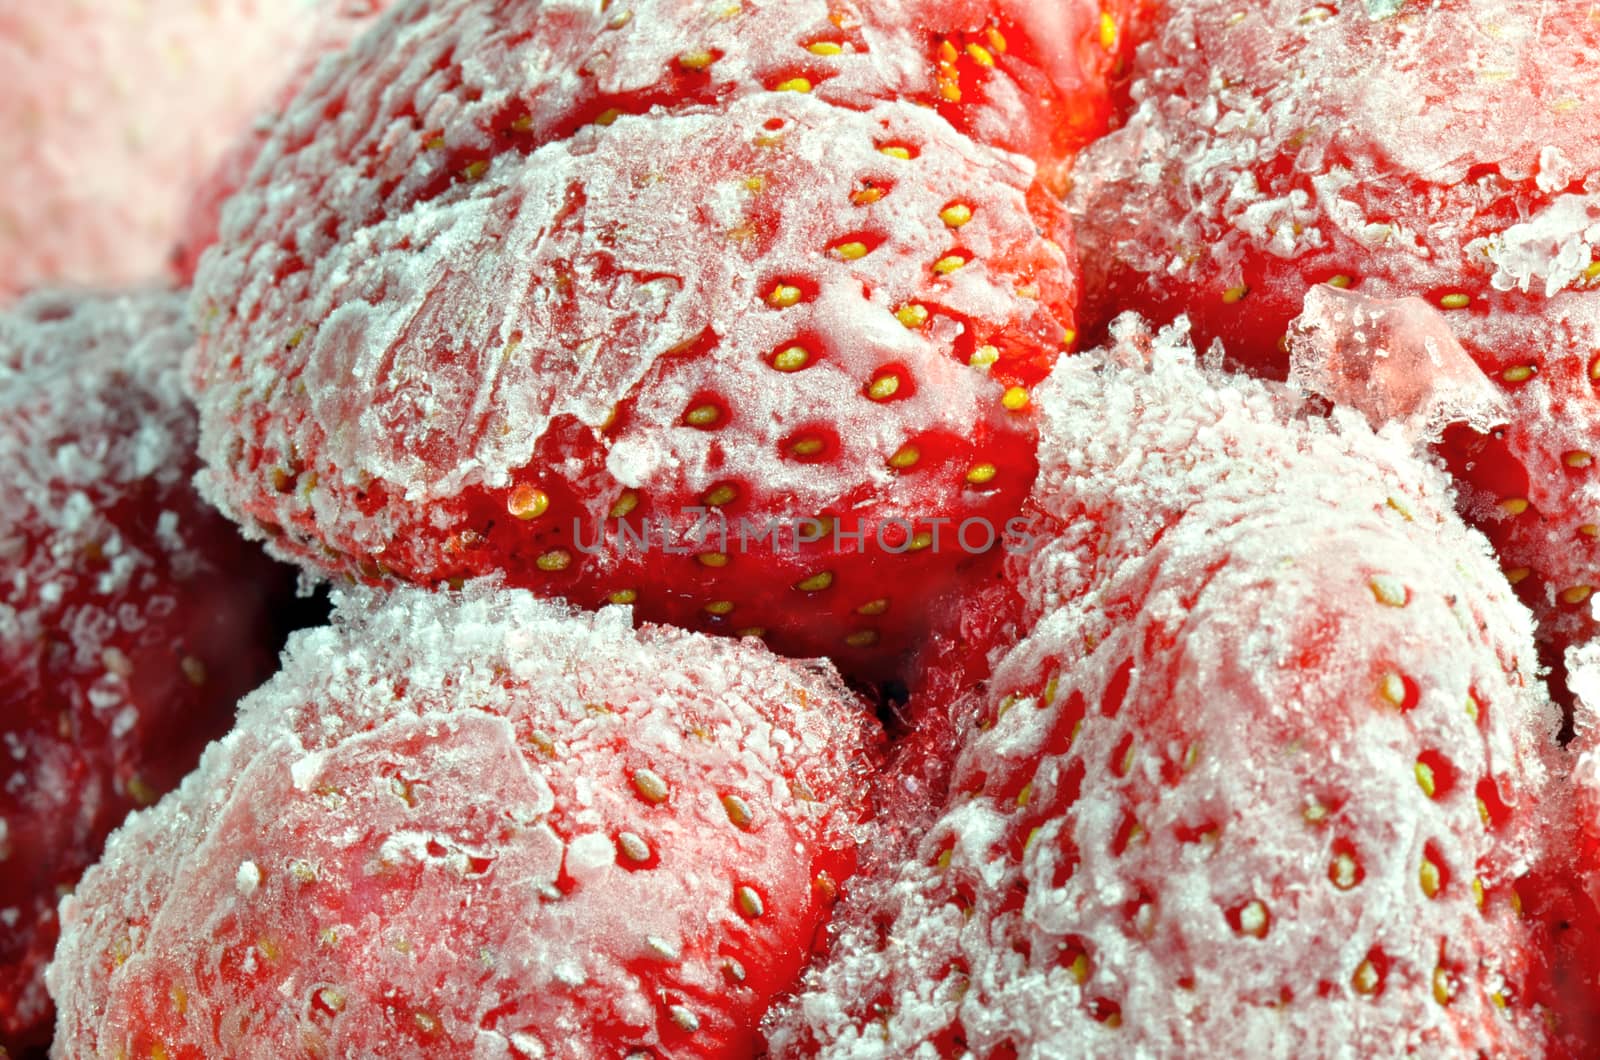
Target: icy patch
(1394,360)
(1553,249)
(247,879)
(1583,677)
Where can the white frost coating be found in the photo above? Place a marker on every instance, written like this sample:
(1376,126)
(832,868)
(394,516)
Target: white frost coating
(1553,248)
(1395,360)
(589,855)
(435,833)
(1447,120)
(399,303)
(1556,170)
(303,769)
(1214,674)
(589,330)
(247,879)
(1583,677)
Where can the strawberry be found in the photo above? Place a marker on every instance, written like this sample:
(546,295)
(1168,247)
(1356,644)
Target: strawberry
(339,22)
(472,822)
(132,616)
(1256,780)
(1441,151)
(757,367)
(118,108)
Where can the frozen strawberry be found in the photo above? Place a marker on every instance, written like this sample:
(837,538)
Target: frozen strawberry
(760,368)
(339,23)
(474,824)
(1443,152)
(1253,784)
(116,110)
(1394,150)
(131,615)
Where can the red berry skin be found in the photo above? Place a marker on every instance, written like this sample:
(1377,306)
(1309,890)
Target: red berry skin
(797,305)
(474,820)
(1266,766)
(1442,154)
(133,615)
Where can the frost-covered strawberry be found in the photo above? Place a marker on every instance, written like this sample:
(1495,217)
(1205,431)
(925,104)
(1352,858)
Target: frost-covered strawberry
(118,108)
(1434,150)
(474,824)
(760,367)
(1441,151)
(132,616)
(1257,782)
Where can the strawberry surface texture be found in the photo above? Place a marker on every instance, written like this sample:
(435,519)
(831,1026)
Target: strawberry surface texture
(132,615)
(710,311)
(1259,780)
(1433,151)
(476,824)
(905,530)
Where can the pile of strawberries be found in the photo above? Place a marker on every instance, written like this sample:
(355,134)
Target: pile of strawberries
(858,530)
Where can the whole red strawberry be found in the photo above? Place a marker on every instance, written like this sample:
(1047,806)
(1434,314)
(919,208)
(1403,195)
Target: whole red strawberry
(750,353)
(131,615)
(476,823)
(1441,151)
(1259,780)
